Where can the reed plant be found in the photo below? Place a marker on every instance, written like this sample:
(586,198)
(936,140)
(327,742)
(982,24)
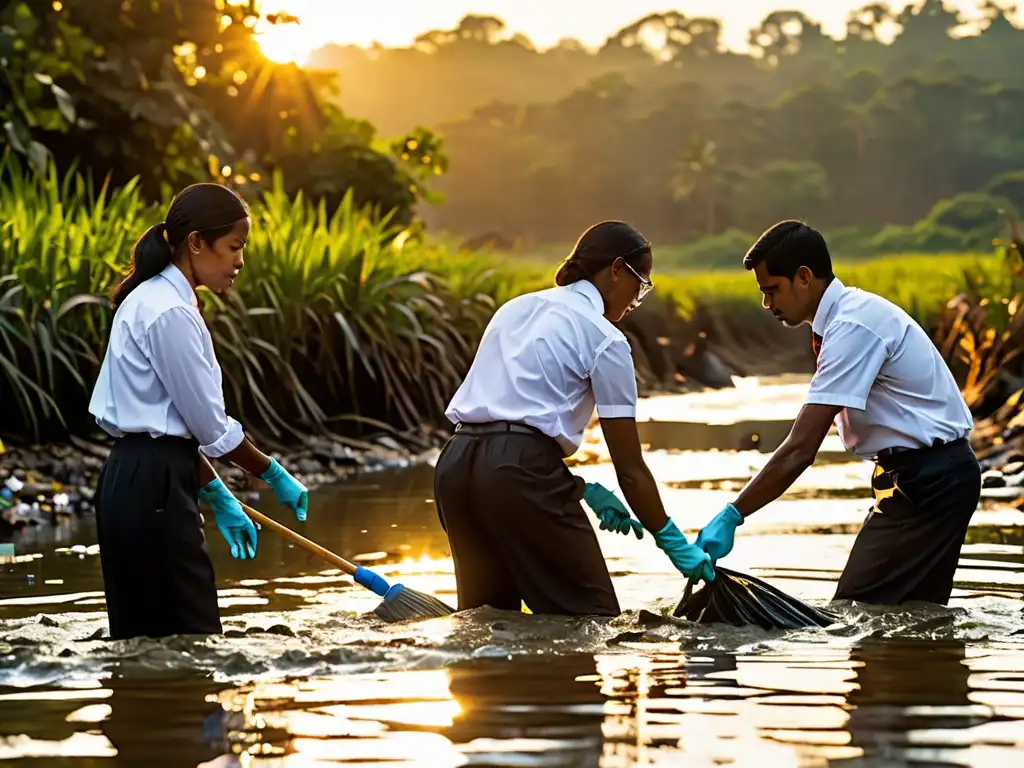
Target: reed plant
(339,320)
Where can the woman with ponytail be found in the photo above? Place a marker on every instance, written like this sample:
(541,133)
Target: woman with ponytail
(507,501)
(160,396)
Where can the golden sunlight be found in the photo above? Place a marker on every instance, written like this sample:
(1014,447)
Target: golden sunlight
(284,43)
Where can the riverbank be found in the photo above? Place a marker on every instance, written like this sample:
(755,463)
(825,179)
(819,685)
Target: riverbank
(704,350)
(341,352)
(40,485)
(673,354)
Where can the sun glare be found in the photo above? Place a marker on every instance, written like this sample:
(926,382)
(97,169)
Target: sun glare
(284,43)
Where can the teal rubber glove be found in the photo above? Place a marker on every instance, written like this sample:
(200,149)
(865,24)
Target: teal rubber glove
(289,491)
(716,538)
(611,511)
(689,559)
(235,526)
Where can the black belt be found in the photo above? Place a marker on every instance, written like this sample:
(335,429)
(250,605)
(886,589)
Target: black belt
(907,453)
(145,437)
(496,428)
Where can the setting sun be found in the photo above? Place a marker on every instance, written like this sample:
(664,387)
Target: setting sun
(284,43)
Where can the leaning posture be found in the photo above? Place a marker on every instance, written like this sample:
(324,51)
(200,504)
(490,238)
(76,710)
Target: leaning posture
(159,395)
(895,402)
(507,501)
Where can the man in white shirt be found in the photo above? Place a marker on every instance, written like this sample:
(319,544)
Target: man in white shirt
(882,381)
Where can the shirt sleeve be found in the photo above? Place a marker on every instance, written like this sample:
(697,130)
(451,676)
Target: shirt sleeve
(614,382)
(176,352)
(850,358)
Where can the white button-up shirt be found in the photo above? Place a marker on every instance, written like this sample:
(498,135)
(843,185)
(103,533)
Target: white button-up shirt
(160,374)
(546,359)
(879,365)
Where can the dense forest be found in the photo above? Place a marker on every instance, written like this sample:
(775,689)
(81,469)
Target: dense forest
(170,92)
(904,135)
(352,320)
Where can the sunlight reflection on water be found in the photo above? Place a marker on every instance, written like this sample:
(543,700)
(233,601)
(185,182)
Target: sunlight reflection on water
(304,677)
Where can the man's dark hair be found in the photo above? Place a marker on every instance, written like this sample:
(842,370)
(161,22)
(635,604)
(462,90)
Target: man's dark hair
(787,246)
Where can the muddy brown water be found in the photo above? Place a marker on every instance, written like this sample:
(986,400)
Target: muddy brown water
(303,676)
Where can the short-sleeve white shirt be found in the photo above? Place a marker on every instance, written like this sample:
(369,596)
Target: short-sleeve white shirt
(878,364)
(547,359)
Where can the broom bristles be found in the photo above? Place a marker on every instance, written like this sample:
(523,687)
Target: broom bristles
(402,604)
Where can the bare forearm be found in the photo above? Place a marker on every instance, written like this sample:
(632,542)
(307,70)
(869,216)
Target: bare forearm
(248,457)
(774,479)
(641,492)
(207,474)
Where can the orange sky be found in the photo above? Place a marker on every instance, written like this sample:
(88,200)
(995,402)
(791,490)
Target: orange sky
(397,22)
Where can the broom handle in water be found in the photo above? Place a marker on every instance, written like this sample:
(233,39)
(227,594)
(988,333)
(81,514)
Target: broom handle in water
(302,541)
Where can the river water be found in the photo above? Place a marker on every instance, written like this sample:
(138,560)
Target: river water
(304,676)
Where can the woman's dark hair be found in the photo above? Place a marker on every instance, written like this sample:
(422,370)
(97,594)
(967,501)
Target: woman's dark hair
(210,209)
(599,247)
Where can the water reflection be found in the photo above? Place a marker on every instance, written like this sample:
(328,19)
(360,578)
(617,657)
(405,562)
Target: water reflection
(875,704)
(546,711)
(301,679)
(162,718)
(903,687)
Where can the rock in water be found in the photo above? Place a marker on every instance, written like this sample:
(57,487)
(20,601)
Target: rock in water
(737,599)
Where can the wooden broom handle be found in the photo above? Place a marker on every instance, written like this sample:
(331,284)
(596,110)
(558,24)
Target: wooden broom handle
(302,541)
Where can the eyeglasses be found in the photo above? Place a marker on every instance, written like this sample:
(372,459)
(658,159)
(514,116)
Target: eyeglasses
(646,285)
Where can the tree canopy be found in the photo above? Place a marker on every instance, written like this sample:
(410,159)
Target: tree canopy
(175,91)
(663,126)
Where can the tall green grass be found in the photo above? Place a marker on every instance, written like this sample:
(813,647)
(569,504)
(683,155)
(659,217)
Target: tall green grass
(920,283)
(339,321)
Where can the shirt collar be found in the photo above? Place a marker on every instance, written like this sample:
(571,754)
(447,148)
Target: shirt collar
(589,290)
(181,284)
(826,305)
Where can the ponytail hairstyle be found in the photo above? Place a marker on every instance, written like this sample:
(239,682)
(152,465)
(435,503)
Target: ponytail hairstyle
(211,210)
(599,247)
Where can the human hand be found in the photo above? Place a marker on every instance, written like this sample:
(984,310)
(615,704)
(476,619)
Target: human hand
(717,537)
(611,511)
(289,491)
(235,526)
(689,559)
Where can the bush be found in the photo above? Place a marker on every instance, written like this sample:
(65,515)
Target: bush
(339,319)
(1009,186)
(923,237)
(980,214)
(722,251)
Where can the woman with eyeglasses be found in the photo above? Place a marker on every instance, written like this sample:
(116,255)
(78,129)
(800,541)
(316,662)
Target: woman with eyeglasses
(506,500)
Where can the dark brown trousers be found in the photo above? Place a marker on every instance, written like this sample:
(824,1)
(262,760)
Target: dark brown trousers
(518,533)
(909,546)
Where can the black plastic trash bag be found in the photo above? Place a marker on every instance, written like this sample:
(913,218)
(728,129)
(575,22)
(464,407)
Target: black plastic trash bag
(738,599)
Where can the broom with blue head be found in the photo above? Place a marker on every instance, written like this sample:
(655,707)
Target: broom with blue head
(400,603)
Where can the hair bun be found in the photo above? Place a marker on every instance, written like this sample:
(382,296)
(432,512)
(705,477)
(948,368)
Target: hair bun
(571,271)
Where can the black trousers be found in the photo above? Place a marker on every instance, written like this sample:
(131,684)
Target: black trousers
(157,575)
(511,510)
(909,546)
